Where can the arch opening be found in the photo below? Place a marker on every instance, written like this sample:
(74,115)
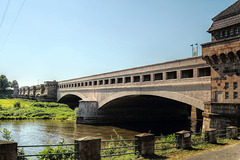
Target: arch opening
(71,100)
(146,111)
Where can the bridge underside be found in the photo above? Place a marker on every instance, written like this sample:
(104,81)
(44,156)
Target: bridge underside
(140,108)
(71,100)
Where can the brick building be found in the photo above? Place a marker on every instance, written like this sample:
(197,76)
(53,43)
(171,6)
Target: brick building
(223,55)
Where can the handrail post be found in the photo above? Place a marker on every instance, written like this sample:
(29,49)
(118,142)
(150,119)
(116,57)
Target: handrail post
(88,148)
(183,139)
(145,144)
(8,150)
(211,135)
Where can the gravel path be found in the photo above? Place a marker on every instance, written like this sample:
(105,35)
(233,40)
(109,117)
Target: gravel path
(228,153)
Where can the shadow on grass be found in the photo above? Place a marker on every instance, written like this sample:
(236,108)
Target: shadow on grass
(193,149)
(221,144)
(152,157)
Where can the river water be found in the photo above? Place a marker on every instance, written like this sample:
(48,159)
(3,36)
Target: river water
(33,132)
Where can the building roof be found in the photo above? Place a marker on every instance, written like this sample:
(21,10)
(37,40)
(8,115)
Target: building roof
(228,17)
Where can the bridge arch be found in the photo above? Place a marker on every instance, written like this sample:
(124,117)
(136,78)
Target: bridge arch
(164,94)
(70,99)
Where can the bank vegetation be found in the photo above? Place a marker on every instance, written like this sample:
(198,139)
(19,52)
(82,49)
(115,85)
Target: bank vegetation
(29,109)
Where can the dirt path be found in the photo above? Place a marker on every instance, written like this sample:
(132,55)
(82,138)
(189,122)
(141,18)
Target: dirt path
(228,153)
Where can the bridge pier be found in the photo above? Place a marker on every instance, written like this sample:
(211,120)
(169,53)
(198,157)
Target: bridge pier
(88,112)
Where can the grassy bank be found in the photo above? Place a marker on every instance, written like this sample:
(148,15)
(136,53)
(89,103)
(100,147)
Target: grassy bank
(165,148)
(29,109)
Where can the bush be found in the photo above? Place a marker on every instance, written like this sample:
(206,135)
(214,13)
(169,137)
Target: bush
(58,149)
(17,105)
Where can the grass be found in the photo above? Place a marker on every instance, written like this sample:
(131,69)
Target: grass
(29,109)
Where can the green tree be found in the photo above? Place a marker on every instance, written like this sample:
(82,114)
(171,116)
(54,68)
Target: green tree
(4,84)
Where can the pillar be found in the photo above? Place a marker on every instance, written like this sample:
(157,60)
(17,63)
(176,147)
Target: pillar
(232,132)
(193,112)
(8,150)
(145,144)
(89,148)
(211,135)
(183,139)
(88,112)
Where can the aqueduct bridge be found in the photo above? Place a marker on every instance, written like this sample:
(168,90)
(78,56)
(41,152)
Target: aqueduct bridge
(147,92)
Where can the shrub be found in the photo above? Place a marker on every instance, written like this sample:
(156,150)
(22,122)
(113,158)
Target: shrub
(17,105)
(58,149)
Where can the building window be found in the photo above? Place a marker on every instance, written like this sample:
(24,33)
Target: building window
(235,95)
(236,31)
(172,75)
(226,33)
(90,83)
(113,81)
(82,84)
(231,32)
(79,84)
(158,76)
(204,72)
(94,83)
(226,95)
(127,79)
(106,81)
(221,34)
(235,85)
(226,85)
(86,83)
(136,79)
(146,78)
(119,80)
(101,82)
(187,73)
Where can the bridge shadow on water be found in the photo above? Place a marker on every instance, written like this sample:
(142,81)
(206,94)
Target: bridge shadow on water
(162,127)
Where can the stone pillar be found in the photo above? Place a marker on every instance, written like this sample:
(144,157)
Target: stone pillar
(232,132)
(211,135)
(145,144)
(8,150)
(183,139)
(193,112)
(88,112)
(89,148)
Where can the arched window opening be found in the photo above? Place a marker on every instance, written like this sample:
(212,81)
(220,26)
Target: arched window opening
(223,57)
(231,57)
(208,60)
(215,59)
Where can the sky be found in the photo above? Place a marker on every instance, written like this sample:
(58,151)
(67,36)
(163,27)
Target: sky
(45,40)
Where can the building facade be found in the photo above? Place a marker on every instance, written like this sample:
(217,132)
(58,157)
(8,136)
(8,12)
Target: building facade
(223,55)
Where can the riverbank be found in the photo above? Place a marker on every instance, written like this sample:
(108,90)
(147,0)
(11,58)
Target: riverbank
(30,109)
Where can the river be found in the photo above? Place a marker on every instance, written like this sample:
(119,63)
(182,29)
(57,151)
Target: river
(33,132)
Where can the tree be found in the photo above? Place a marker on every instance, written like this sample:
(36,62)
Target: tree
(4,84)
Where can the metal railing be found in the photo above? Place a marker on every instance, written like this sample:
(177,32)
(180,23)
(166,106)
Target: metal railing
(221,133)
(118,147)
(165,142)
(22,156)
(197,138)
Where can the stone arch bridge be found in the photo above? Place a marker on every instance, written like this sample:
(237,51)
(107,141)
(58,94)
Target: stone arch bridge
(166,90)
(151,92)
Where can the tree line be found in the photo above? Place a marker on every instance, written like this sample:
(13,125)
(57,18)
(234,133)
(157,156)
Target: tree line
(6,87)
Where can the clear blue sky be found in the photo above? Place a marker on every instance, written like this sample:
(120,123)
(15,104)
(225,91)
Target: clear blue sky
(65,39)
